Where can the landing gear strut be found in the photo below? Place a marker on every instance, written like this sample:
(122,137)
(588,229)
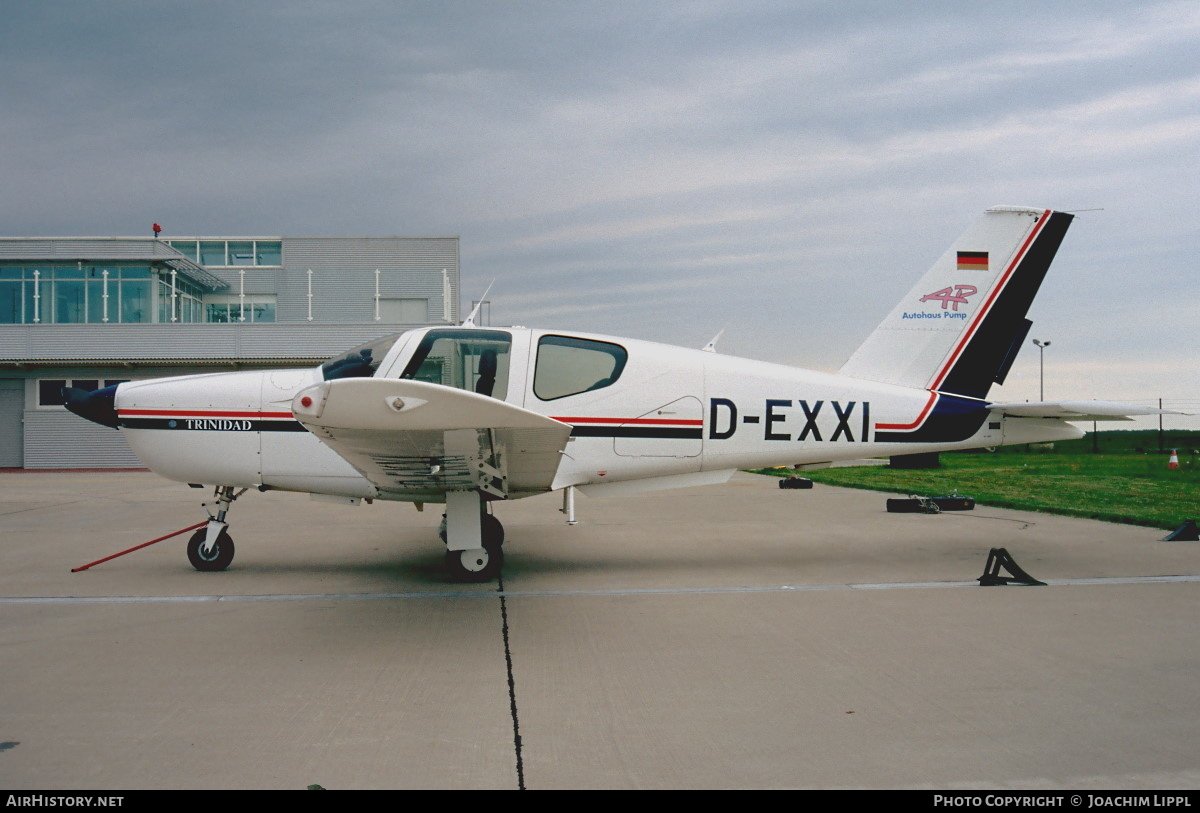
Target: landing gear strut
(211,548)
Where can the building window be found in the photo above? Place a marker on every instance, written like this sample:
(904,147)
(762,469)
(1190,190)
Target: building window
(268,252)
(135,294)
(232,308)
(231,253)
(70,302)
(187,306)
(239,252)
(404,311)
(212,252)
(50,389)
(187,248)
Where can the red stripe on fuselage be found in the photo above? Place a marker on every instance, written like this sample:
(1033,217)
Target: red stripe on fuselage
(623,421)
(193,413)
(920,418)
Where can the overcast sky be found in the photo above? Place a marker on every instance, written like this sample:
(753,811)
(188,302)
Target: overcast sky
(784,171)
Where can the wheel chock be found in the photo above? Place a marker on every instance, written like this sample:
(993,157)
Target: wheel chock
(1000,558)
(795,482)
(910,505)
(1187,532)
(917,504)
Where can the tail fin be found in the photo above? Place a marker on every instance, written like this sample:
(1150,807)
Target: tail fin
(960,328)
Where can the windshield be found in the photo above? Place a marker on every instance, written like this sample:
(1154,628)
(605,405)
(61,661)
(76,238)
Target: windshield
(361,362)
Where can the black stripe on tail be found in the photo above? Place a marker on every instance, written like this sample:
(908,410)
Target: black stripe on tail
(989,352)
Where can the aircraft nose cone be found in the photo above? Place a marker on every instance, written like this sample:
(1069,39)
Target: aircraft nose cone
(97,405)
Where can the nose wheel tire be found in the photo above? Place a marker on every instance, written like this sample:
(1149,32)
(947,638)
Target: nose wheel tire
(216,559)
(478,565)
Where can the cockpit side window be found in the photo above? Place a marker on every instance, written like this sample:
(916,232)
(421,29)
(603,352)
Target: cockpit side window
(466,359)
(567,366)
(361,362)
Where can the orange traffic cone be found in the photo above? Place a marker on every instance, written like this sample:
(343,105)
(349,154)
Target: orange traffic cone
(1173,462)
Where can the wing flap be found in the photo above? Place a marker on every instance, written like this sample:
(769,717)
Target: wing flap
(418,440)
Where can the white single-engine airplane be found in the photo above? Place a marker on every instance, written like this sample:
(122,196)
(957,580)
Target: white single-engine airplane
(470,416)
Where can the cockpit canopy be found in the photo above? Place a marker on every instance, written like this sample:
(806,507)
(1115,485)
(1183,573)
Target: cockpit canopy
(361,361)
(478,360)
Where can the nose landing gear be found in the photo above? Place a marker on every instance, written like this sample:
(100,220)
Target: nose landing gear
(211,548)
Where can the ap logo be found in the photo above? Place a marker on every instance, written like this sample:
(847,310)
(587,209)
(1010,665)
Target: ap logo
(952,296)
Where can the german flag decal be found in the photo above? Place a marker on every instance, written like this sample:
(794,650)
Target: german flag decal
(972,261)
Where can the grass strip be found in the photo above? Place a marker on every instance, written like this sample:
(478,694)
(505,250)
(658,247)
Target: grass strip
(1132,489)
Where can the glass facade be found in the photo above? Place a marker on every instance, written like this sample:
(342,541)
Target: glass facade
(129,294)
(86,294)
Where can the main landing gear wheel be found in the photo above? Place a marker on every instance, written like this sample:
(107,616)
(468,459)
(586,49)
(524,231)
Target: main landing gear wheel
(479,565)
(216,559)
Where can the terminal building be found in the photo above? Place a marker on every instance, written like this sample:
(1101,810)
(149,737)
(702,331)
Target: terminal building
(90,312)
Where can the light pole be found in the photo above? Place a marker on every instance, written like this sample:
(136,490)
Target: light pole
(1041,346)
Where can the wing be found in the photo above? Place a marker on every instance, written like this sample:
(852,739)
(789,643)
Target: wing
(417,441)
(1079,410)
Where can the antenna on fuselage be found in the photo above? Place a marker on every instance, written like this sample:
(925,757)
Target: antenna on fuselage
(470,320)
(711,347)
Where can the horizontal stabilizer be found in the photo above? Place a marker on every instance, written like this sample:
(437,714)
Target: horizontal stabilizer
(1079,410)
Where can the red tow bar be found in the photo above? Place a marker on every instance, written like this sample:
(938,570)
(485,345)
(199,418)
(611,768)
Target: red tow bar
(143,545)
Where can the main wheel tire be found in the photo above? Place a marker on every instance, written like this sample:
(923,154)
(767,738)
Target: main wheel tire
(216,559)
(491,532)
(479,565)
